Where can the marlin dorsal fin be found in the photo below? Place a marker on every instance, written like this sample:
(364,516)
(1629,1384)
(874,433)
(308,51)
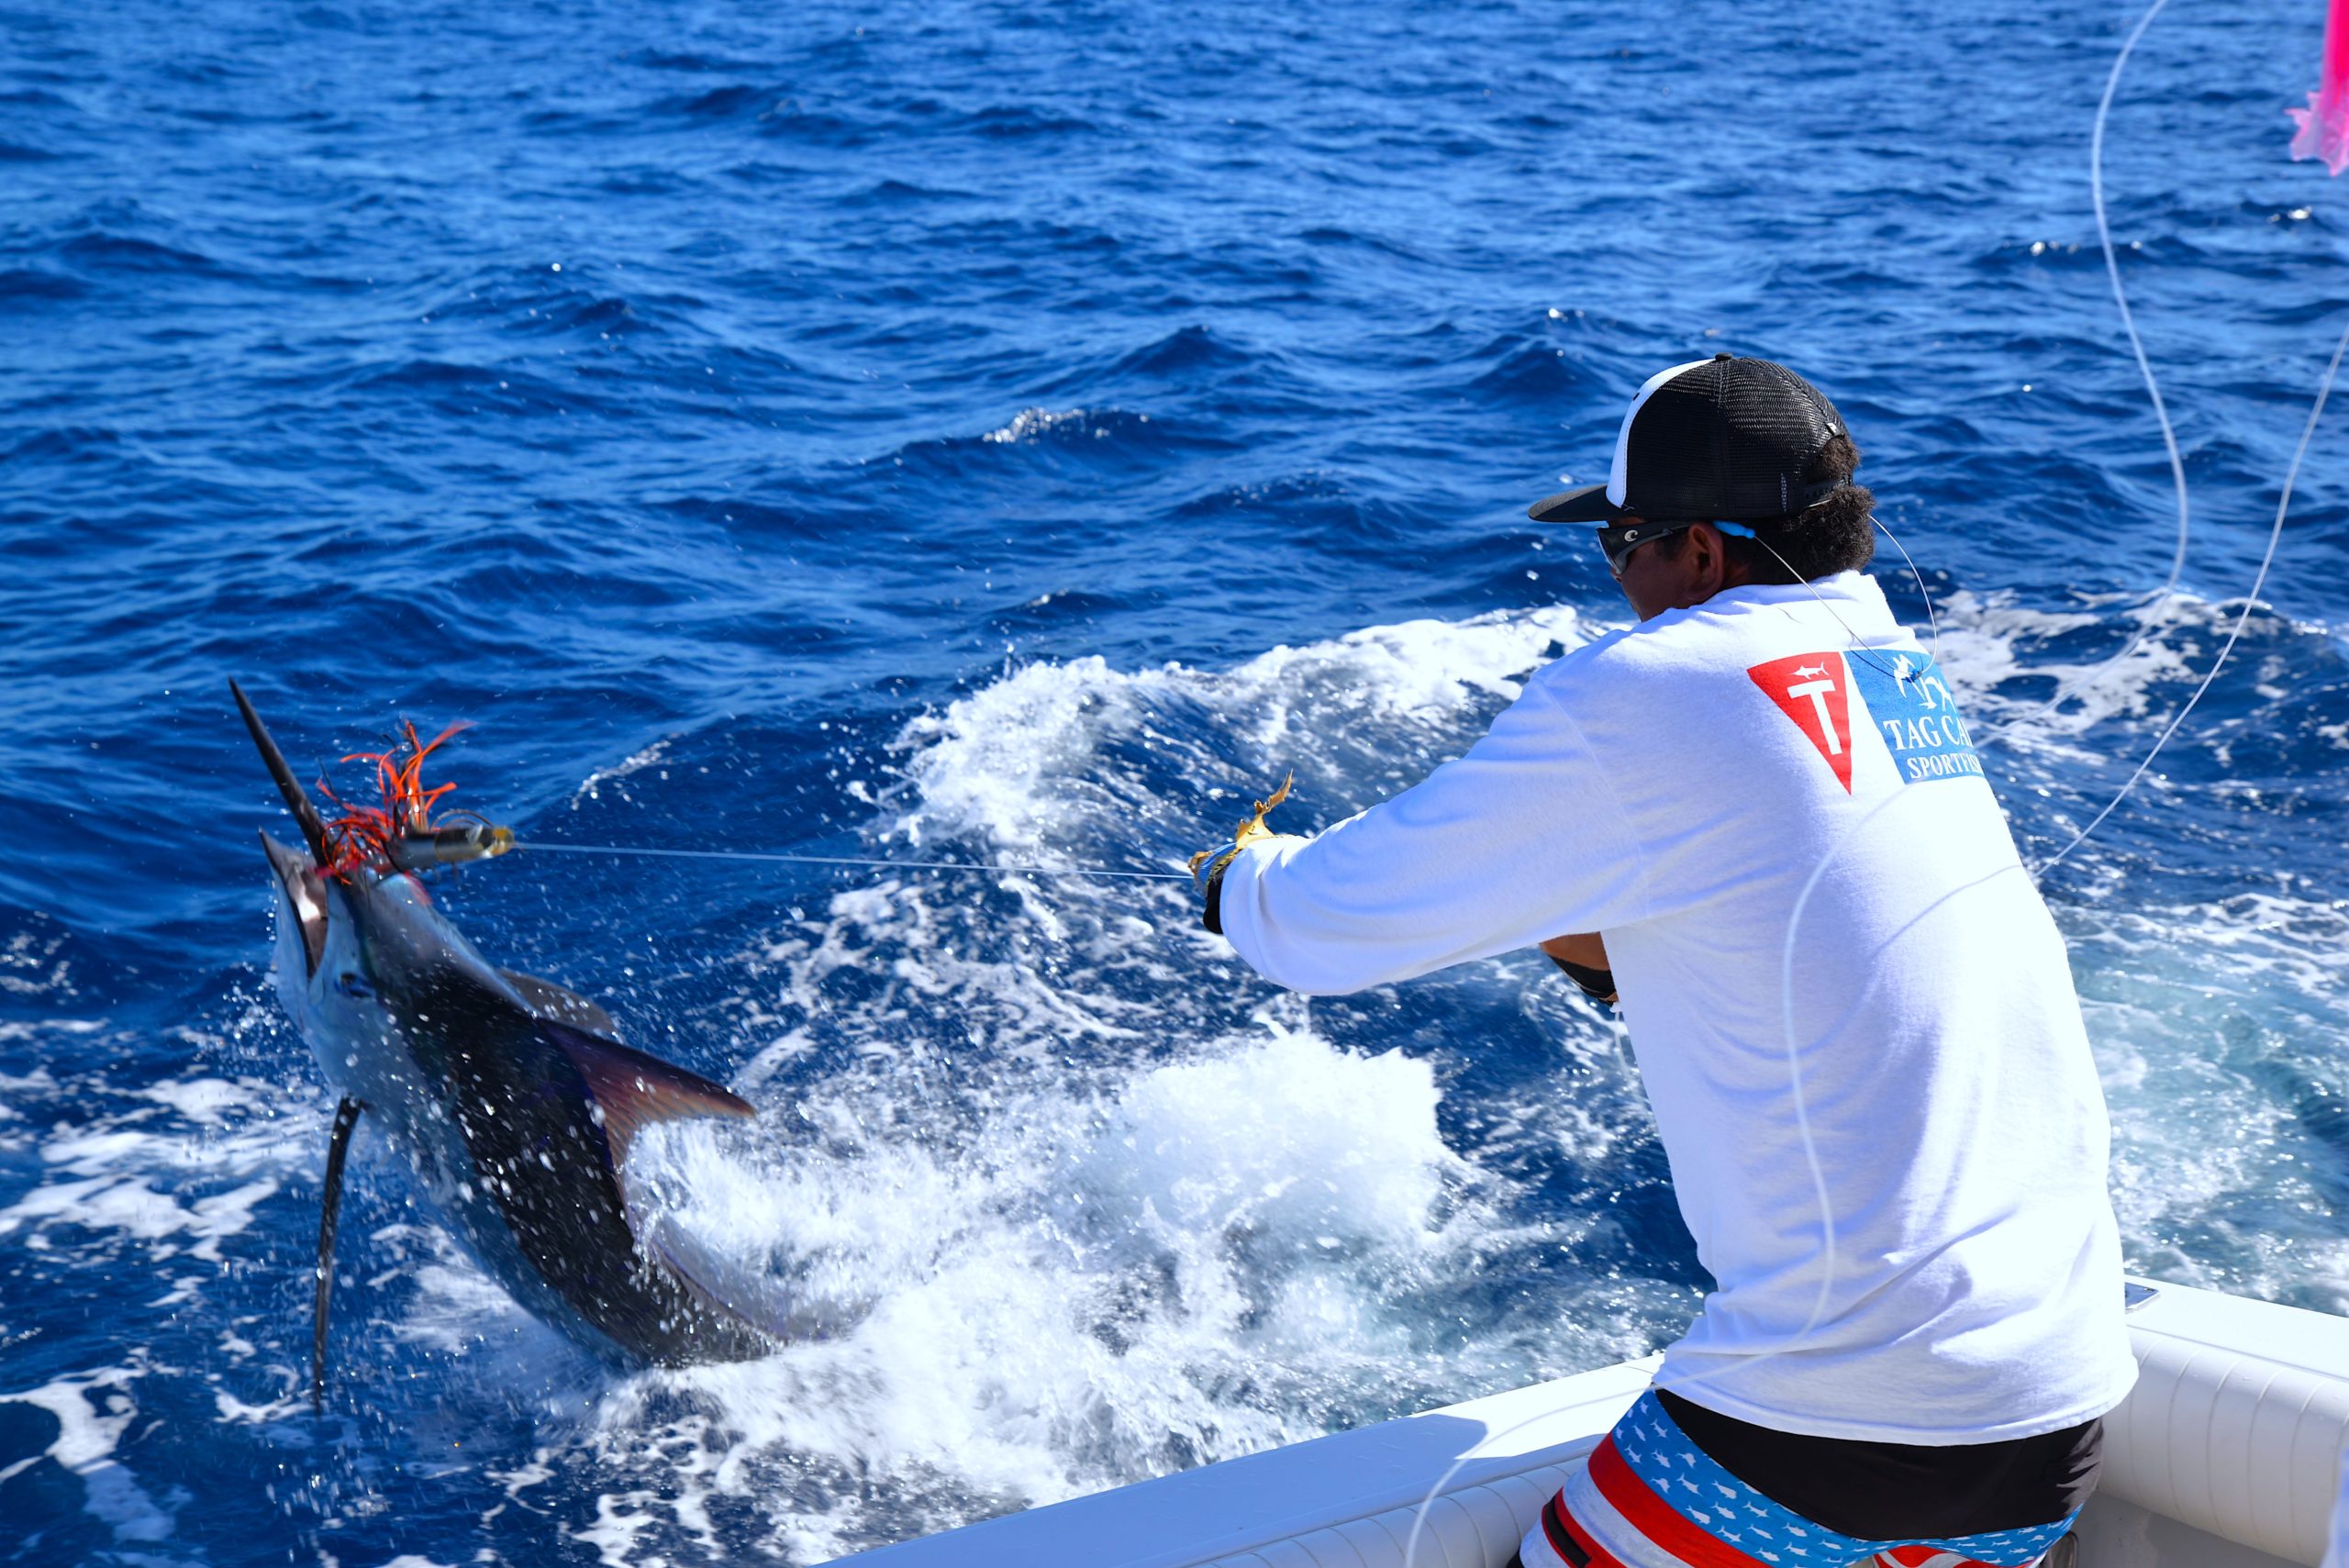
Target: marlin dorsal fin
(631,1090)
(562,1003)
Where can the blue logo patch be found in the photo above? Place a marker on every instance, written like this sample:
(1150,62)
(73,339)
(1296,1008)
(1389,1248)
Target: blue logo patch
(1912,708)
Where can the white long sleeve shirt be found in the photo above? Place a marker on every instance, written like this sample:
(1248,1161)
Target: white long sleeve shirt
(1770,808)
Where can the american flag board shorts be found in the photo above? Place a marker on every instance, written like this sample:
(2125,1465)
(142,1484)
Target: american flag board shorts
(1650,1499)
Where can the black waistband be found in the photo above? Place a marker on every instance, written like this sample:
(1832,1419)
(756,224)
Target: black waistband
(1879,1491)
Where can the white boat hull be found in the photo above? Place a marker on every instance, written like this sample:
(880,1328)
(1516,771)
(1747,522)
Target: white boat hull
(2227,1455)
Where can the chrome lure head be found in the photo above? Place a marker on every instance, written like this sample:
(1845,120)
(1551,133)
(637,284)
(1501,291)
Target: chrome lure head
(422,849)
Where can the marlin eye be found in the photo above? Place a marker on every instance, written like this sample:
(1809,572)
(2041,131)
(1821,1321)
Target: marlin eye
(349,984)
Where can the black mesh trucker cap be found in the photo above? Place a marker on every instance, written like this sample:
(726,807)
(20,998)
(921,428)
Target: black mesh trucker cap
(1724,439)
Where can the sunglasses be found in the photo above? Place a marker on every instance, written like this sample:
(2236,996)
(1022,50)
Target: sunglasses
(1619,543)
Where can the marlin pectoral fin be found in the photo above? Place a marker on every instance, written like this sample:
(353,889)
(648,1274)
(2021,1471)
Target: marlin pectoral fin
(561,1004)
(631,1090)
(346,1118)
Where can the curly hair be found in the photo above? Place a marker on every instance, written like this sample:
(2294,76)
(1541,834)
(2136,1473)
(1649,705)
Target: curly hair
(1834,536)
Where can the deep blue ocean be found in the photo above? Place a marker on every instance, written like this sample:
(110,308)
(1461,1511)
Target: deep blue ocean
(1021,433)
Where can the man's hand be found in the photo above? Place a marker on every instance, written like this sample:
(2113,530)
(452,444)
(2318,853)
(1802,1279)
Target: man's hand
(1583,958)
(1208,865)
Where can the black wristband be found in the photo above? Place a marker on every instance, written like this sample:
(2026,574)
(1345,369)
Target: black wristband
(1211,917)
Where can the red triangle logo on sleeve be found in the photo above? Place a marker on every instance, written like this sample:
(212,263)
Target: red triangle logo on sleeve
(1815,690)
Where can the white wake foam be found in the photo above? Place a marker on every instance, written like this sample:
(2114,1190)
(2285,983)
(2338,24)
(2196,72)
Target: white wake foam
(1055,749)
(93,1411)
(1061,1216)
(1058,1197)
(1108,1280)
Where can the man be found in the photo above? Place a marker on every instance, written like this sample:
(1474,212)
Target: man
(1758,815)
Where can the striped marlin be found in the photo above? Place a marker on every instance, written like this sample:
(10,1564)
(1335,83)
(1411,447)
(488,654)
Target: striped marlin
(513,1098)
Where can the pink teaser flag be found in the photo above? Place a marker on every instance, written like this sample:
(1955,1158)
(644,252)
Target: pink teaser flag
(2324,124)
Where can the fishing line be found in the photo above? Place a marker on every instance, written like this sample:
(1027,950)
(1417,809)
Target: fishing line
(1923,593)
(861,861)
(1858,645)
(2177,473)
(2144,368)
(2251,600)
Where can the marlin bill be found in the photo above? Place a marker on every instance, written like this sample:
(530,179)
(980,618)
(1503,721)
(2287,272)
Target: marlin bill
(513,1098)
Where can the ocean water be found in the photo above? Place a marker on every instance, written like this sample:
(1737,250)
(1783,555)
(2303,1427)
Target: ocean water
(1022,433)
